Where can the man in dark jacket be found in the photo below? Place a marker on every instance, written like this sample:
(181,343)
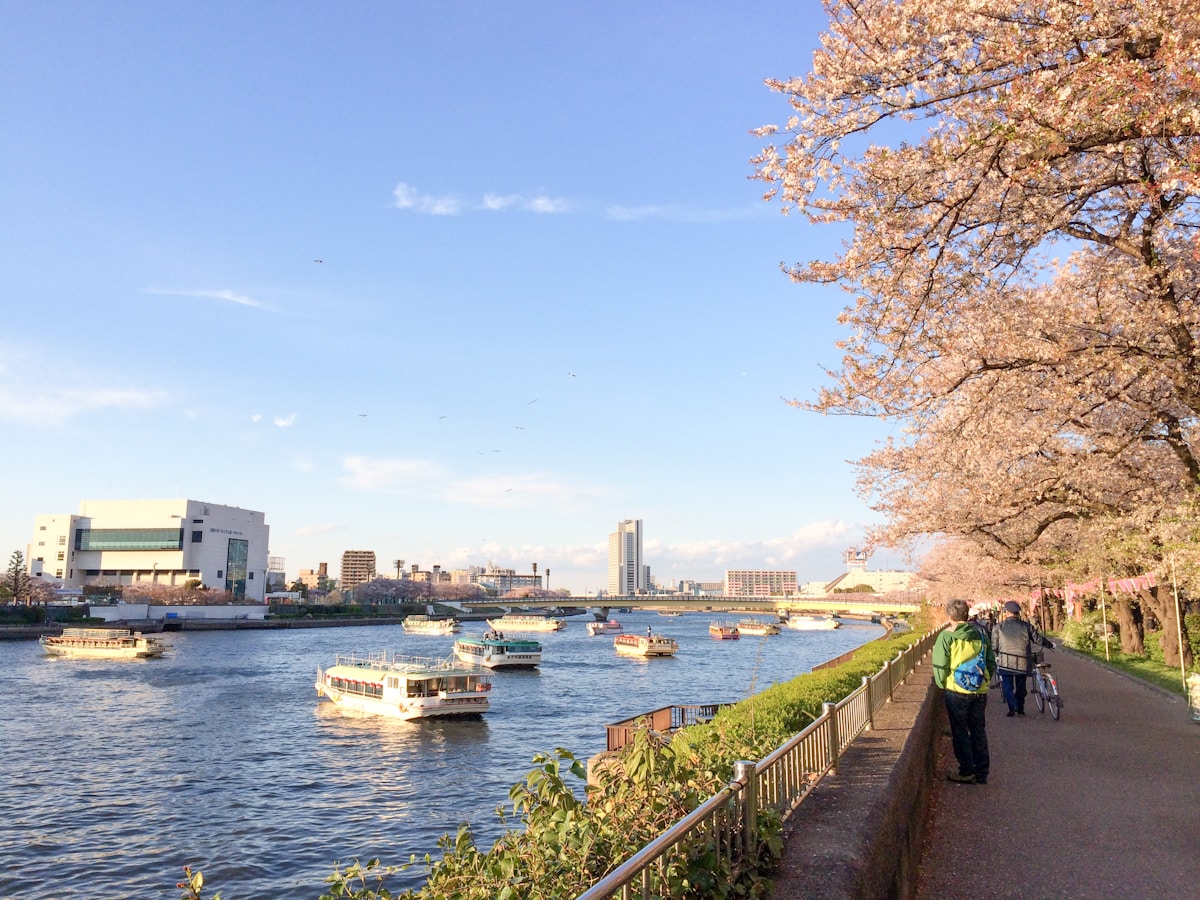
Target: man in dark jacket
(956,654)
(1014,640)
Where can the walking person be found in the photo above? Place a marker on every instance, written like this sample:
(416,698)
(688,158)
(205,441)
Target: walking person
(963,664)
(1014,640)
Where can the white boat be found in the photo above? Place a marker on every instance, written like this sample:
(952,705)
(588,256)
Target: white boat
(429,625)
(757,627)
(812,623)
(103,643)
(595,628)
(525,622)
(670,613)
(405,687)
(723,631)
(494,651)
(644,645)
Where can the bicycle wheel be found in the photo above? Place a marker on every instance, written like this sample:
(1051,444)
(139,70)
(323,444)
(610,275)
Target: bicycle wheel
(1038,697)
(1054,703)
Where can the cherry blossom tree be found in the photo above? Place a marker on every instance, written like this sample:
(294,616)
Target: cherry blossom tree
(1022,181)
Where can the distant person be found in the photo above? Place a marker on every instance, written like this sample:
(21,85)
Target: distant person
(1014,639)
(963,664)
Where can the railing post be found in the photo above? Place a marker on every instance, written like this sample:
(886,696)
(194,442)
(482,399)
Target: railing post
(866,683)
(744,768)
(888,669)
(829,711)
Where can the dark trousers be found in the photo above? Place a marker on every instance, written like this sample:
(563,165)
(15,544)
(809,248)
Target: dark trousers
(967,723)
(1013,685)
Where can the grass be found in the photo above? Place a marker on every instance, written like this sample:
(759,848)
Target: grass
(1140,667)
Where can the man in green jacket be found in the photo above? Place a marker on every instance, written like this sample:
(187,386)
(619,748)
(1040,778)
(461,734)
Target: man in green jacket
(963,665)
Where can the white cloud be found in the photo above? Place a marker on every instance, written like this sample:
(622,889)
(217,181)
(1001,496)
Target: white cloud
(257,417)
(408,197)
(547,205)
(366,474)
(285,421)
(226,295)
(314,530)
(38,391)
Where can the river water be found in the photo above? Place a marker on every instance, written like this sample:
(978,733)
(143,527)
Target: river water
(221,756)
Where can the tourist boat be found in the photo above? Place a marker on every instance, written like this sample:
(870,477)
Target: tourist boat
(644,645)
(404,687)
(526,622)
(812,623)
(595,628)
(103,643)
(429,625)
(723,632)
(757,627)
(670,613)
(495,651)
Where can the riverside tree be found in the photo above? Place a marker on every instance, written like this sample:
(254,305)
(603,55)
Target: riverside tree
(1024,256)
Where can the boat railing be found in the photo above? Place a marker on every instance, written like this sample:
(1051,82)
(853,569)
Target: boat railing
(664,720)
(726,825)
(385,659)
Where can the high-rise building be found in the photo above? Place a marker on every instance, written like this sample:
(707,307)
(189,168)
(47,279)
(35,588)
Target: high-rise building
(627,574)
(759,583)
(171,542)
(358,567)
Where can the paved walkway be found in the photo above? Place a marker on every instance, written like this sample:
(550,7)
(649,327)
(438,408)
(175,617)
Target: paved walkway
(1104,803)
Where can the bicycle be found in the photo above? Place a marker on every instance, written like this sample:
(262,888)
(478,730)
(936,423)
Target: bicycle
(1045,688)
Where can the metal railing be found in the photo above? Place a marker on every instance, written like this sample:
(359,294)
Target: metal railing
(664,720)
(726,823)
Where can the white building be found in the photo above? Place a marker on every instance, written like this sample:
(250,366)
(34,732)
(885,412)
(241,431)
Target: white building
(627,574)
(759,583)
(120,542)
(881,581)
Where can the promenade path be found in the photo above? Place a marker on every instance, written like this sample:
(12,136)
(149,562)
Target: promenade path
(1104,803)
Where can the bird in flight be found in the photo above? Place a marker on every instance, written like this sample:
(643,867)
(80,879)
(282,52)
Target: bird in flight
(362,415)
(531,402)
(519,427)
(441,417)
(318,260)
(572,374)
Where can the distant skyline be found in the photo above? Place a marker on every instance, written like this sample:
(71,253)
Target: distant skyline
(447,283)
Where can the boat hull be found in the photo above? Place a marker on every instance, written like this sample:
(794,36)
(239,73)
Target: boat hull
(813,623)
(403,688)
(494,654)
(344,700)
(643,646)
(526,623)
(99,643)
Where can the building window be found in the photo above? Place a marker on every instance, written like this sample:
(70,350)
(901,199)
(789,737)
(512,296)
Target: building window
(235,567)
(220,573)
(62,538)
(61,556)
(197,537)
(58,573)
(129,539)
(249,576)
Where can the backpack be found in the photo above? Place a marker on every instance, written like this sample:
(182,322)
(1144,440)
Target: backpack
(968,662)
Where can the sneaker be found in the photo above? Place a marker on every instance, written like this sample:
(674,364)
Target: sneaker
(1011,713)
(1020,712)
(960,779)
(979,780)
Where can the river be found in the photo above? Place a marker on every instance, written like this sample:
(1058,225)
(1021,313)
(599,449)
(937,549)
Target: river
(220,755)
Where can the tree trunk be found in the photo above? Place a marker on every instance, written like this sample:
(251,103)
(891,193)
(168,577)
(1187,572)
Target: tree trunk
(1129,621)
(1164,610)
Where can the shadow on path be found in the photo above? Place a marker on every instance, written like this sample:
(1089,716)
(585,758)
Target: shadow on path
(1104,803)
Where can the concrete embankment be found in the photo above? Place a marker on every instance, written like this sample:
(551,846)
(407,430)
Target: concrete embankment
(859,834)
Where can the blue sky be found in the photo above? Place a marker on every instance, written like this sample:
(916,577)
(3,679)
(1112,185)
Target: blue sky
(449,282)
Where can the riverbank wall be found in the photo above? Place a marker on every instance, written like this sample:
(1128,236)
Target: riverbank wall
(860,833)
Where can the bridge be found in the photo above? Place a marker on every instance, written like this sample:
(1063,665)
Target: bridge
(839,604)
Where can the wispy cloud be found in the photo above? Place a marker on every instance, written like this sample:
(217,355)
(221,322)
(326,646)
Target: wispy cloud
(365,474)
(224,295)
(314,530)
(681,214)
(506,491)
(34,390)
(408,197)
(285,421)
